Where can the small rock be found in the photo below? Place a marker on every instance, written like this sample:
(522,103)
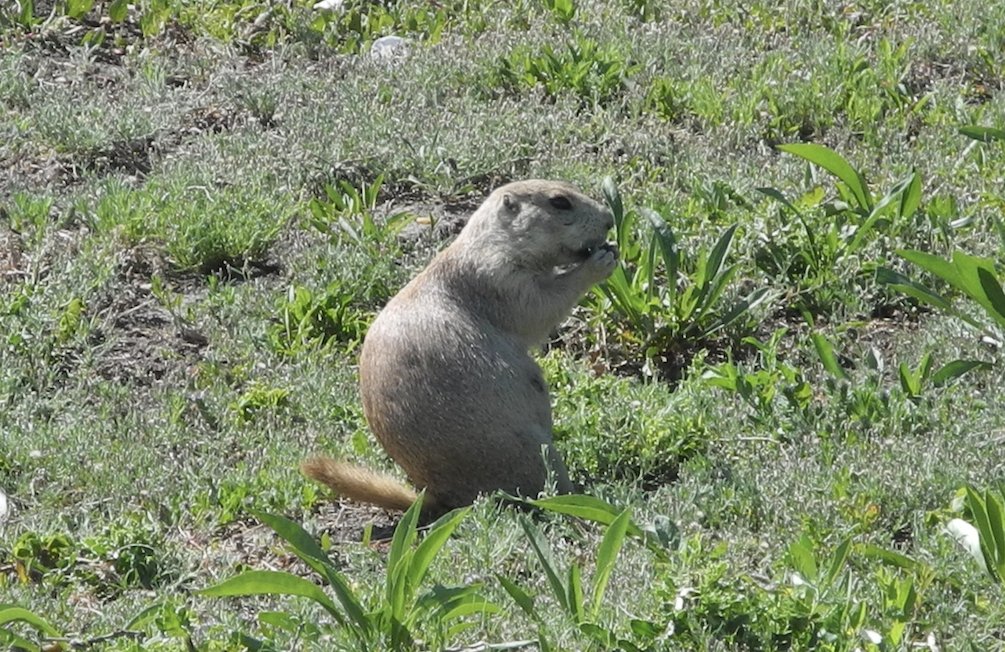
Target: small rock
(387,47)
(329,5)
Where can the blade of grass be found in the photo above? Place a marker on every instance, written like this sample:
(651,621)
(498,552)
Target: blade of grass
(607,554)
(834,163)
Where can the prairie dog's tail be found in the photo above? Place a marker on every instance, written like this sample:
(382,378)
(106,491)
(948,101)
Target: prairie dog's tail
(358,483)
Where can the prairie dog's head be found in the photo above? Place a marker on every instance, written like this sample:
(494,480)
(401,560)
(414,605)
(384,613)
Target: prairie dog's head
(543,223)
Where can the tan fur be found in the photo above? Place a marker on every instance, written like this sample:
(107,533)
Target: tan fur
(359,484)
(447,382)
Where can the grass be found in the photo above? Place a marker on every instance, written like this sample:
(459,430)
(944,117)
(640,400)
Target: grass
(203,205)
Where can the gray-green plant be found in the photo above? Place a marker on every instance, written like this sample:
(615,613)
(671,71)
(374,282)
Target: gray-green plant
(581,67)
(346,213)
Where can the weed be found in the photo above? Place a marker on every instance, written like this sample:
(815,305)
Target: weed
(988,512)
(686,303)
(259,398)
(391,619)
(825,260)
(973,276)
(589,71)
(309,320)
(347,213)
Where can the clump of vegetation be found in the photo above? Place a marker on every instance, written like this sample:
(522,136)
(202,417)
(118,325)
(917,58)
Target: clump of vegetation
(582,68)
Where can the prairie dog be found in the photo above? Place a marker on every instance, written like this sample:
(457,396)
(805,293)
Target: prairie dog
(446,378)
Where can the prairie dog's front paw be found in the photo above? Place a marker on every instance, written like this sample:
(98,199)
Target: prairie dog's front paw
(602,261)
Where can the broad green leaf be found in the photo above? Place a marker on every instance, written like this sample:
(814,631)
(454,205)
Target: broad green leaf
(12,614)
(834,163)
(802,559)
(589,508)
(398,560)
(909,381)
(975,502)
(543,553)
(146,616)
(607,554)
(575,597)
(889,557)
(598,634)
(431,545)
(714,265)
(911,288)
(280,620)
(983,134)
(996,521)
(613,197)
(302,543)
(838,559)
(955,369)
(993,291)
(77,8)
(624,296)
(936,265)
(118,10)
(910,199)
(825,350)
(666,242)
(645,628)
(520,597)
(262,582)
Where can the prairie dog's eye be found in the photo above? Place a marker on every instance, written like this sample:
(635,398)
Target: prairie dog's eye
(561,202)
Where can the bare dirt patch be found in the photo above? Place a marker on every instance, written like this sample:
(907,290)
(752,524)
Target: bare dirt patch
(137,340)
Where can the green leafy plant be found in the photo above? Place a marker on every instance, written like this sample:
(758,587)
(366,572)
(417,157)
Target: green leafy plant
(309,320)
(685,300)
(10,614)
(975,277)
(769,380)
(563,10)
(588,70)
(358,25)
(568,588)
(259,398)
(389,620)
(823,257)
(915,380)
(229,228)
(347,212)
(988,512)
(983,134)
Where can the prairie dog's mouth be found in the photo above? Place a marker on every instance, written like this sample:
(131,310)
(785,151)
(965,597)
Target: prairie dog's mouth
(589,248)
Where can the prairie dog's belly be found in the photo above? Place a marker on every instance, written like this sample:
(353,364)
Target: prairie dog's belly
(438,392)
